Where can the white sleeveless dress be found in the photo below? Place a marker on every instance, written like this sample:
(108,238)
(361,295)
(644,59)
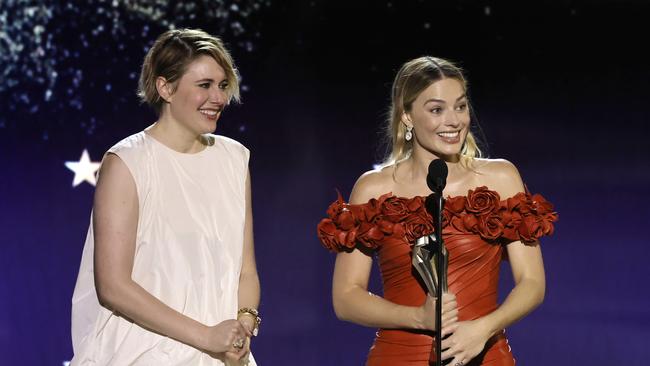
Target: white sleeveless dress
(188,251)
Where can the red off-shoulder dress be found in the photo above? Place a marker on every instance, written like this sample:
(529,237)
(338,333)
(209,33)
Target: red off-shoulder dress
(475,230)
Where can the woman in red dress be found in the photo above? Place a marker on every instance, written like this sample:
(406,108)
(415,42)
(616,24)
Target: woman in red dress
(488,216)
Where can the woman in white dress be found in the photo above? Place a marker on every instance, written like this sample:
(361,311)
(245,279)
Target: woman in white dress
(168,273)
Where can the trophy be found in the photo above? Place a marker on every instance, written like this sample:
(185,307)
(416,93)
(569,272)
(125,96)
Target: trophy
(424,259)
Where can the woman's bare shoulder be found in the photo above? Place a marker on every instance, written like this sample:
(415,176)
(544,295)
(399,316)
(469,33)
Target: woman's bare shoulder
(114,181)
(500,175)
(372,184)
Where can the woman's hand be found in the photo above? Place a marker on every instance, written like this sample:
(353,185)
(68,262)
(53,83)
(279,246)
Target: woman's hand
(239,358)
(229,337)
(233,358)
(449,313)
(467,340)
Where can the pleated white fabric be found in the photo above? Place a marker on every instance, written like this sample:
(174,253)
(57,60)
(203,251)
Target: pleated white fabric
(188,251)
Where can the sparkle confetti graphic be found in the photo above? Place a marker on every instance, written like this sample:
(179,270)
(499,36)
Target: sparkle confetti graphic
(56,56)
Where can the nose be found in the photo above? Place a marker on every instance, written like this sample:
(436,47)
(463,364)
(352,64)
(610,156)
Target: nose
(451,118)
(218,96)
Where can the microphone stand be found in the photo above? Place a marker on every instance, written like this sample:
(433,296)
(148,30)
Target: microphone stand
(429,256)
(435,203)
(430,259)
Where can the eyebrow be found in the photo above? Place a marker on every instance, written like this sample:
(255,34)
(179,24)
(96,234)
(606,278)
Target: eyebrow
(442,101)
(208,80)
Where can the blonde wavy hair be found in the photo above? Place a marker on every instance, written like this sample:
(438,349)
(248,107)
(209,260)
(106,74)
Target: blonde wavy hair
(169,57)
(411,79)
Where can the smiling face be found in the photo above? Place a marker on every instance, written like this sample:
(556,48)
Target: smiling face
(199,97)
(440,118)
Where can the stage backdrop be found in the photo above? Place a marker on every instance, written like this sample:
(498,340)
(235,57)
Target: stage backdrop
(559,89)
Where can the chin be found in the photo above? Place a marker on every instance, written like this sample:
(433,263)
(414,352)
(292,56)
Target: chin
(208,127)
(448,151)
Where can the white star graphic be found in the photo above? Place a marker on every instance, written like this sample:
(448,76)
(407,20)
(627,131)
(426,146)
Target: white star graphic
(84,169)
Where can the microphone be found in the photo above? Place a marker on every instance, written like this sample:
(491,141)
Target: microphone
(436,180)
(437,175)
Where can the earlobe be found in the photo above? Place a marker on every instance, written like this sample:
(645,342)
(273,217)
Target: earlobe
(163,88)
(406,120)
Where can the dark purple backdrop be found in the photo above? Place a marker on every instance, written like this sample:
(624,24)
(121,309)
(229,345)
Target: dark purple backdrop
(560,90)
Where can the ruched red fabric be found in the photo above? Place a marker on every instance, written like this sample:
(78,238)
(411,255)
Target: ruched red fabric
(475,229)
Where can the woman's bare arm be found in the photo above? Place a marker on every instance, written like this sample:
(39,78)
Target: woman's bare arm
(353,302)
(469,338)
(249,283)
(115,220)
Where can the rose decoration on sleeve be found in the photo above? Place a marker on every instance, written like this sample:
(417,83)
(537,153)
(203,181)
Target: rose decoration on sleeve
(482,201)
(522,217)
(339,231)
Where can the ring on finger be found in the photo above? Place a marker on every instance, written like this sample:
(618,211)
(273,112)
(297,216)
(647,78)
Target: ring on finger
(238,344)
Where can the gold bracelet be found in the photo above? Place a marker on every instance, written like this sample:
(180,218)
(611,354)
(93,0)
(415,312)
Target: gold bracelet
(256,318)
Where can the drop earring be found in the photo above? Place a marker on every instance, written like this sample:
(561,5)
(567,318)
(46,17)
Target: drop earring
(409,134)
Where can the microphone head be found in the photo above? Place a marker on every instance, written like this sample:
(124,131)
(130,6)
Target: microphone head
(437,175)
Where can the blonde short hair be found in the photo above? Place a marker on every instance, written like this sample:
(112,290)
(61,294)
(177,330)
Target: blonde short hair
(169,57)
